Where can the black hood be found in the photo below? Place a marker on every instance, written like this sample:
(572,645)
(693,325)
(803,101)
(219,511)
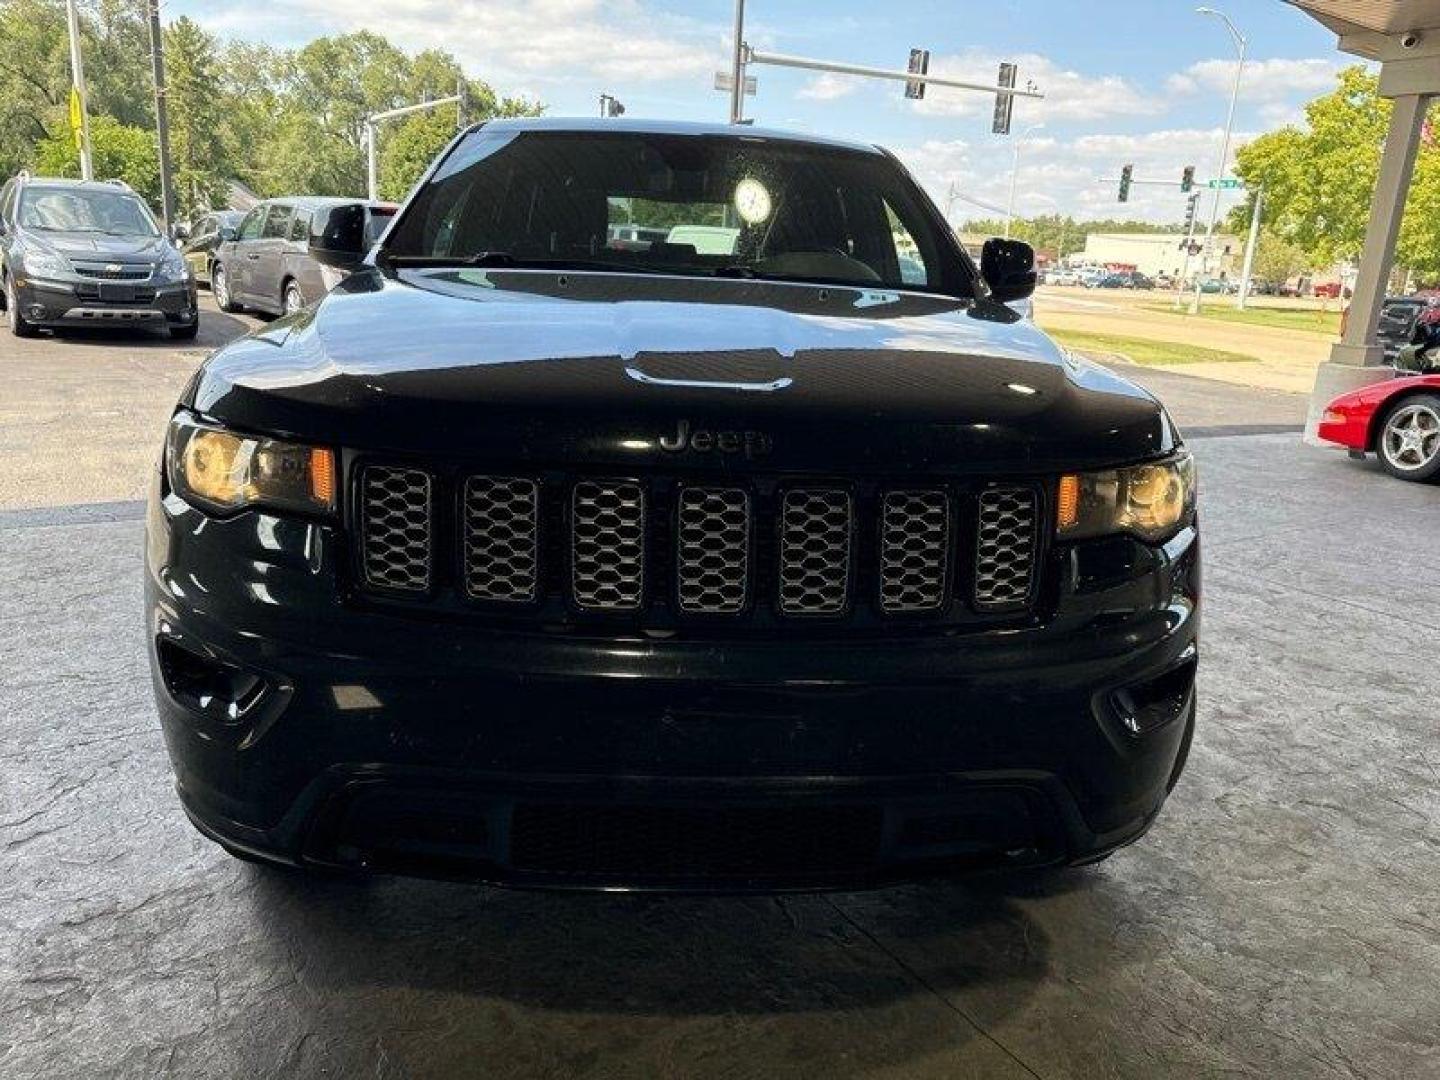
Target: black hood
(103,246)
(535,366)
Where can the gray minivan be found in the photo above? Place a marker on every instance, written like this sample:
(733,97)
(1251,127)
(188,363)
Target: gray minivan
(266,265)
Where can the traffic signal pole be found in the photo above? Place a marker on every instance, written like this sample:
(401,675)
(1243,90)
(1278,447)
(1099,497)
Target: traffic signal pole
(1241,45)
(372,122)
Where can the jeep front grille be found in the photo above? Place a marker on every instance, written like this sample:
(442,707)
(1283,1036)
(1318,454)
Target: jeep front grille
(713,550)
(1005,548)
(661,552)
(396,511)
(501,529)
(608,545)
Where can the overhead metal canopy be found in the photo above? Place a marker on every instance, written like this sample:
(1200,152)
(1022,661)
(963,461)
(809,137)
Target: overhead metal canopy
(1389,17)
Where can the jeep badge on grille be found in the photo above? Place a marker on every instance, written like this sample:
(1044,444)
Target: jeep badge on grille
(752,444)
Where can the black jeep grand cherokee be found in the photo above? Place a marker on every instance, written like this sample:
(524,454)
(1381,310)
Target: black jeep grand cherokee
(732,560)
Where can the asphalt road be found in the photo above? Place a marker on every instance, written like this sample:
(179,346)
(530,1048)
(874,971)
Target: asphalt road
(1280,920)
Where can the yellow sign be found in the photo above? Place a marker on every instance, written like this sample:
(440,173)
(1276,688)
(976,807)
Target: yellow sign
(77,114)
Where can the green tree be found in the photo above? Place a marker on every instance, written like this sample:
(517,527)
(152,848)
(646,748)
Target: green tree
(408,147)
(120,152)
(197,113)
(1279,259)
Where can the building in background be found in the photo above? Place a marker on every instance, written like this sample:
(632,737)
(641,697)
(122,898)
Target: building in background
(1154,254)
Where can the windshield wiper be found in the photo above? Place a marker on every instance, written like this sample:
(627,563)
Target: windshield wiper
(480,258)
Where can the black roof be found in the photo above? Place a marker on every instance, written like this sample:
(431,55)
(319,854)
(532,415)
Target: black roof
(670,127)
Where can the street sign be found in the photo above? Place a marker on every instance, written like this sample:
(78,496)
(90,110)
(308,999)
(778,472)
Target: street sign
(919,65)
(1004,103)
(1225,183)
(724,81)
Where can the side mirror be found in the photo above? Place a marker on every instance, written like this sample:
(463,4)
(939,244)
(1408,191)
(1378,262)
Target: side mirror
(227,233)
(337,236)
(1008,267)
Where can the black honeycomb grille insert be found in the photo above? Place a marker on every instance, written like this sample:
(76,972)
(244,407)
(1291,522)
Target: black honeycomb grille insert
(713,550)
(914,551)
(608,545)
(501,525)
(815,551)
(1005,548)
(396,524)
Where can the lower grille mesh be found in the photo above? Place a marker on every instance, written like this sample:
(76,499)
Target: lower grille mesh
(695,842)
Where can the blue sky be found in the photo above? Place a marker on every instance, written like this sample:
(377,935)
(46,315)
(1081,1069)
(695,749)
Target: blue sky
(1143,81)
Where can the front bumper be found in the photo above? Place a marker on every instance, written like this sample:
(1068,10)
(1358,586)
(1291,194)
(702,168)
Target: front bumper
(306,730)
(66,304)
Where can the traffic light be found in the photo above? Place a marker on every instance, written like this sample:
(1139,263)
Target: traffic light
(1127,176)
(1190,206)
(1187,179)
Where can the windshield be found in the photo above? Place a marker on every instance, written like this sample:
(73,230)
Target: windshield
(85,210)
(707,205)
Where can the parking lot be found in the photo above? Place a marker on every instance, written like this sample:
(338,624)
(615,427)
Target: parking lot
(1280,920)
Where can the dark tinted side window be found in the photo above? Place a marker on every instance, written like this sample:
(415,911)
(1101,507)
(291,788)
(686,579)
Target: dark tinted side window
(277,223)
(300,226)
(250,227)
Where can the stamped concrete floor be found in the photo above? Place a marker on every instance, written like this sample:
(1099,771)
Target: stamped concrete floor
(1280,921)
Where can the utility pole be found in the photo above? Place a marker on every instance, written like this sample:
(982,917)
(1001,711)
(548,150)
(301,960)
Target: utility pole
(1241,45)
(1244,293)
(1014,175)
(77,78)
(162,116)
(737,67)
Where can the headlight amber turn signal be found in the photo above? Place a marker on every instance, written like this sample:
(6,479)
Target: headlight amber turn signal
(221,471)
(1148,501)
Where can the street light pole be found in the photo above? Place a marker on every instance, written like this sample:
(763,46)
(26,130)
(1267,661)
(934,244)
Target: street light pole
(162,117)
(1014,175)
(1241,45)
(737,67)
(77,75)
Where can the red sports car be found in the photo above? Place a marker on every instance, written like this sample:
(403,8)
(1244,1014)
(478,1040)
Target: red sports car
(1398,420)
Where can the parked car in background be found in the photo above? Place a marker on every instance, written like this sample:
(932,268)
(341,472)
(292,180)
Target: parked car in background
(1067,278)
(199,241)
(1164,281)
(88,253)
(1214,286)
(267,265)
(1398,420)
(1330,290)
(1091,279)
(1131,279)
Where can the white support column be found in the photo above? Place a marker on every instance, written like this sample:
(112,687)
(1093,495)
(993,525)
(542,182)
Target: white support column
(1356,361)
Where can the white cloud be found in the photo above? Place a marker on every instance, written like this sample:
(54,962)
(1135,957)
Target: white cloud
(827,87)
(536,42)
(1263,81)
(1069,95)
(1077,176)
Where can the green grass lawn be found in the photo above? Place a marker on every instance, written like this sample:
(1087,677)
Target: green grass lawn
(1140,351)
(1223,308)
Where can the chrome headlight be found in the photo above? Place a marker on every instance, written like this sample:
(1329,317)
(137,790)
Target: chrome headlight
(220,471)
(1149,501)
(39,263)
